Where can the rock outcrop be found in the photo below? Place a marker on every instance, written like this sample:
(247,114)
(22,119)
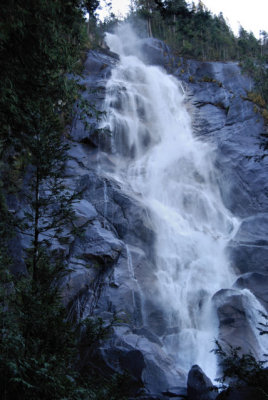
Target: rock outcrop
(199,386)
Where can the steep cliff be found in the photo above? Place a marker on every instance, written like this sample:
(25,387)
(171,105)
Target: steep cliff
(113,260)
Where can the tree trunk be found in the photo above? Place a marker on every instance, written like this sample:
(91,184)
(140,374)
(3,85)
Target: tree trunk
(149,27)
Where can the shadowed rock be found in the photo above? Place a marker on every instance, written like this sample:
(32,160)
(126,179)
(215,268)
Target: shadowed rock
(199,386)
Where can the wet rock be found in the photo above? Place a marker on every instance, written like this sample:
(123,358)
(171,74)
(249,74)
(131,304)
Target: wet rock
(249,248)
(236,327)
(242,171)
(199,386)
(100,63)
(88,110)
(257,283)
(153,366)
(127,216)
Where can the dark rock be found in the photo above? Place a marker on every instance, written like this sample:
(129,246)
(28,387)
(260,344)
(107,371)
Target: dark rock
(80,278)
(133,362)
(142,359)
(100,63)
(97,245)
(126,215)
(176,392)
(199,386)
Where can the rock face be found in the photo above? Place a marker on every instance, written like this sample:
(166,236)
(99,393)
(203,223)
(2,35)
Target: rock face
(199,386)
(112,259)
(223,113)
(233,307)
(257,283)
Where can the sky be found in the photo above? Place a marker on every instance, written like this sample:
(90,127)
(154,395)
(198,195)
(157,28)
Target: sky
(253,16)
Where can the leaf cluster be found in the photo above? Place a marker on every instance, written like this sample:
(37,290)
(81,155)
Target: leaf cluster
(239,369)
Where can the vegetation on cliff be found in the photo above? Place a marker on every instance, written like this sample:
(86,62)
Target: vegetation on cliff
(194,32)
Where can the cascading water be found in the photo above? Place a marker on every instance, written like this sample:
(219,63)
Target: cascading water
(172,172)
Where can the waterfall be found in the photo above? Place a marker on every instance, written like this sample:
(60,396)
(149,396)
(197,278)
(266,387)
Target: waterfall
(159,160)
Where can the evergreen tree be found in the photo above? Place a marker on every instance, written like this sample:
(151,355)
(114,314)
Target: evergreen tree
(40,44)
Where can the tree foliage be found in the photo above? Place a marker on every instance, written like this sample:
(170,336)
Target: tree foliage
(40,46)
(193,31)
(240,370)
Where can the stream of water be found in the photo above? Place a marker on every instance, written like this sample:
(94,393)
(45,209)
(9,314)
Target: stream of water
(173,173)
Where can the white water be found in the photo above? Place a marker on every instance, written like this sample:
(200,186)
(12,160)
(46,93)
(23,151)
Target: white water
(173,173)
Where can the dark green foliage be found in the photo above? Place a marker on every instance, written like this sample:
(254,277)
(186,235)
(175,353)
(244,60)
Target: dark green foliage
(40,45)
(239,370)
(39,347)
(190,31)
(193,31)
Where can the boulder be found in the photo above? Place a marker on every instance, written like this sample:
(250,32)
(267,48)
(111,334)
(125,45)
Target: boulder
(199,386)
(257,283)
(153,367)
(238,318)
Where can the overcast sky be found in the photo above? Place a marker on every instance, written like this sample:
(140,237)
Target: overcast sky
(252,15)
